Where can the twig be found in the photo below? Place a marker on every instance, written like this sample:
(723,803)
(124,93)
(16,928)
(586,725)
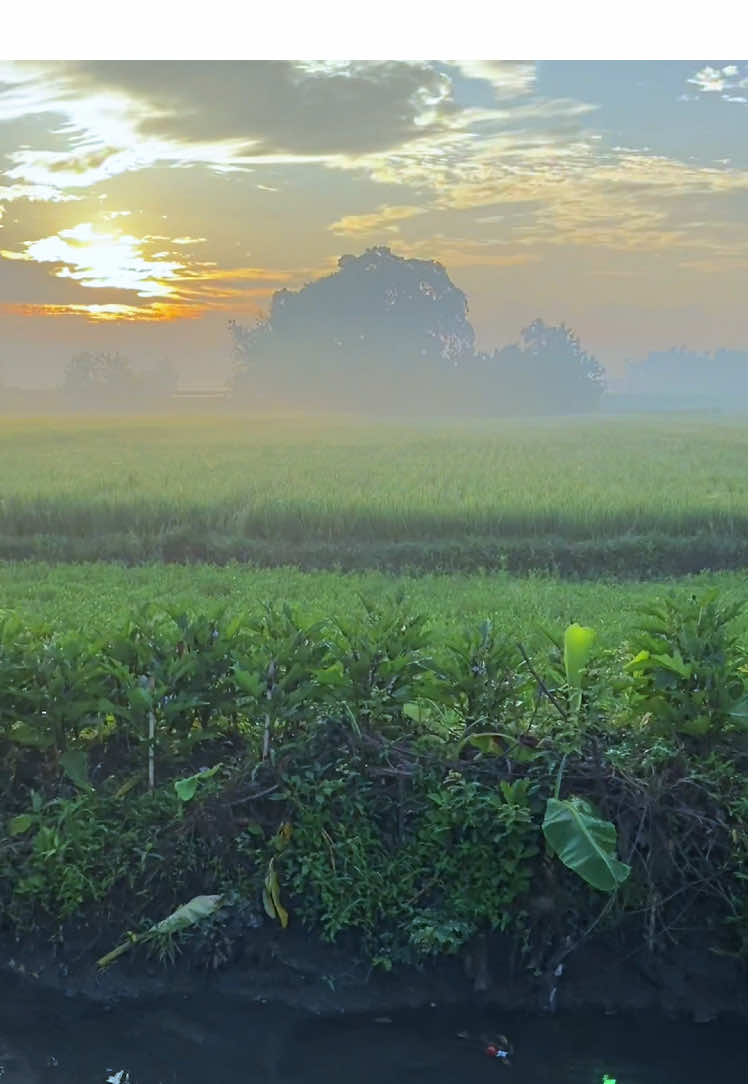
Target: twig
(253,797)
(541,685)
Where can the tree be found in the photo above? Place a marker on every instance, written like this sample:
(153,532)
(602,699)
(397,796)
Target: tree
(383,332)
(100,379)
(379,332)
(547,372)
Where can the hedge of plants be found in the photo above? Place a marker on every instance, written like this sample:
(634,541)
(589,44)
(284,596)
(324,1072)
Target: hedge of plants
(189,775)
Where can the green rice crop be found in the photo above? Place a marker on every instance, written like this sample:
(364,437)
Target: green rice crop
(317,491)
(96,597)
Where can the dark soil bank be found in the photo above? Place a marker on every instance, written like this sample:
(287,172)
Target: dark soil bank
(293,968)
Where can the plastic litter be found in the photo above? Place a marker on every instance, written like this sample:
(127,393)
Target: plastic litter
(495,1052)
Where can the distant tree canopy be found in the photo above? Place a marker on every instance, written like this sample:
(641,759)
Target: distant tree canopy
(109,380)
(97,378)
(383,332)
(548,371)
(718,379)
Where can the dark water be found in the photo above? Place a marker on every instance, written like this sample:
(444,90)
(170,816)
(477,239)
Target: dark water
(212,1040)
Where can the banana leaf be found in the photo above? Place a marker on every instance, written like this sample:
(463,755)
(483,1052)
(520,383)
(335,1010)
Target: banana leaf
(578,645)
(200,907)
(584,843)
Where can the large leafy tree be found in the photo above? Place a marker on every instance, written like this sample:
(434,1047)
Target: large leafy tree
(378,331)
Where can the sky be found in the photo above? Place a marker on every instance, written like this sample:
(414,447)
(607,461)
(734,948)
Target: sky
(144,203)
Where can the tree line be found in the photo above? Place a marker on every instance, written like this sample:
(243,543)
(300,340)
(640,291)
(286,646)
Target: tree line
(388,333)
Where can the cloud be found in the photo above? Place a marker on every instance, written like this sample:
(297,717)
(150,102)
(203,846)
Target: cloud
(99,134)
(278,107)
(35,193)
(638,202)
(458,252)
(508,79)
(564,186)
(155,311)
(378,221)
(101,260)
(134,282)
(726,81)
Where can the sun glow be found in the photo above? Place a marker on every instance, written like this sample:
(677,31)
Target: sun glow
(103,260)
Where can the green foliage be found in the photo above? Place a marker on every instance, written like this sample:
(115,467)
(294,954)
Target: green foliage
(402,799)
(689,673)
(578,645)
(54,685)
(100,596)
(75,765)
(186,788)
(382,665)
(461,865)
(584,843)
(65,865)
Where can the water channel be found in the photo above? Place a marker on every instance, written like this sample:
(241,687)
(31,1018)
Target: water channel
(203,1039)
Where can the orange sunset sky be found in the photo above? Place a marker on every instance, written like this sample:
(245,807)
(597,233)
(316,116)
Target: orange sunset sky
(145,203)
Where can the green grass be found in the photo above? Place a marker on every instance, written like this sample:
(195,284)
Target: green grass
(621,495)
(96,597)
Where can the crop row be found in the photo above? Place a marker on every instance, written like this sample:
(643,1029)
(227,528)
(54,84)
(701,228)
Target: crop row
(169,677)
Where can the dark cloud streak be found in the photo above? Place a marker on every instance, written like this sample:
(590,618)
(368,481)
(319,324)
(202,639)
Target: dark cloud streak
(281,107)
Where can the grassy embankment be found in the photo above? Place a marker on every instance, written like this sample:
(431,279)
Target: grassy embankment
(377,780)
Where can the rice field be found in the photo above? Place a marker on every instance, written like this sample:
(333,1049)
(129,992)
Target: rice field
(343,493)
(96,597)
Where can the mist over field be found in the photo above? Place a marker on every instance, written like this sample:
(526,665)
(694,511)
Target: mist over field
(384,335)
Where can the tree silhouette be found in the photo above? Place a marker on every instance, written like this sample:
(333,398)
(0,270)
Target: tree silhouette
(383,332)
(379,329)
(547,372)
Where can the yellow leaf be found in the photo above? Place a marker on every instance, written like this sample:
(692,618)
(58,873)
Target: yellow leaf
(267,901)
(272,892)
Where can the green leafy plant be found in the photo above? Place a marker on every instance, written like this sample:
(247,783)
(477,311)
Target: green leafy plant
(380,665)
(686,668)
(584,843)
(578,645)
(186,788)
